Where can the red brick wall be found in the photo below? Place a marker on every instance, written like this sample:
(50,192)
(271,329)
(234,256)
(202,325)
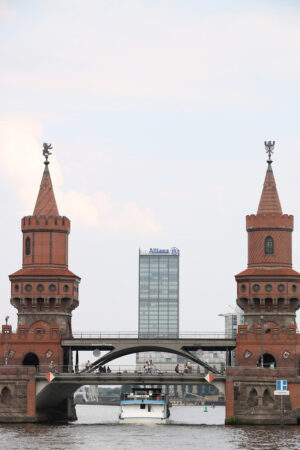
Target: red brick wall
(275,344)
(30,340)
(279,227)
(294,395)
(49,236)
(59,248)
(282,255)
(31,397)
(229,395)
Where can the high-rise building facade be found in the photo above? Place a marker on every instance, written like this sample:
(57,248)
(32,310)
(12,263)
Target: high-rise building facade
(159,293)
(232,321)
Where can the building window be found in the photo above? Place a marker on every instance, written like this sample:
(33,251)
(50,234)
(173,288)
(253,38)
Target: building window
(27,246)
(28,287)
(52,287)
(66,288)
(269,246)
(40,287)
(294,288)
(256,287)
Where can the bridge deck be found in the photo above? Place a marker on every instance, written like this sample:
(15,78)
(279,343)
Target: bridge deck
(128,378)
(108,343)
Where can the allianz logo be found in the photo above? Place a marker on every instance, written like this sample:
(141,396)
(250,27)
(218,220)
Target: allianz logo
(172,251)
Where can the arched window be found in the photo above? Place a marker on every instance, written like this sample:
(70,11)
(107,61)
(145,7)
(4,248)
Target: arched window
(269,246)
(27,246)
(31,360)
(5,395)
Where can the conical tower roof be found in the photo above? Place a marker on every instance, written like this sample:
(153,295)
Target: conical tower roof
(269,200)
(46,203)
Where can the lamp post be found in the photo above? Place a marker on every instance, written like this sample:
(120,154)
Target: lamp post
(6,332)
(262,342)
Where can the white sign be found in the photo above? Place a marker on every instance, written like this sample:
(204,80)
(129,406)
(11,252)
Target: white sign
(281,392)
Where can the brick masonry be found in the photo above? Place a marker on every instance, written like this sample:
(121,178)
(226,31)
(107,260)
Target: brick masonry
(44,292)
(268,291)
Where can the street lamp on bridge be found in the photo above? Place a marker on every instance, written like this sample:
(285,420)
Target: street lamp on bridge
(6,332)
(262,342)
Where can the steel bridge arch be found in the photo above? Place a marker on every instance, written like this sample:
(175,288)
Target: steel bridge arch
(129,350)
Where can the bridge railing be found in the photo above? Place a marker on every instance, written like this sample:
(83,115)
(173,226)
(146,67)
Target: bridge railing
(136,335)
(57,369)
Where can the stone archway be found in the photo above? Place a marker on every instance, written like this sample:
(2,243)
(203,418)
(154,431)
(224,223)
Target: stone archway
(253,398)
(267,398)
(268,360)
(5,395)
(31,359)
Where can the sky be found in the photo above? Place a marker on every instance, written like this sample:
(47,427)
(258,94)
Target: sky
(157,111)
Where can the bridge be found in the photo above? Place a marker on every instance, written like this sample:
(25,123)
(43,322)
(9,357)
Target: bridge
(127,343)
(54,393)
(67,379)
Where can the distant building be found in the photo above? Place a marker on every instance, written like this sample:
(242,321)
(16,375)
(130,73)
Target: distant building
(158,299)
(159,293)
(232,321)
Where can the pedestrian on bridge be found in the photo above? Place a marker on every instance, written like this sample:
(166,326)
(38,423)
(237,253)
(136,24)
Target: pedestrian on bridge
(189,367)
(177,368)
(149,367)
(51,366)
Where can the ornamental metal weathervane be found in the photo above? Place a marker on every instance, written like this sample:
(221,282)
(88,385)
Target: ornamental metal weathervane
(46,153)
(269,146)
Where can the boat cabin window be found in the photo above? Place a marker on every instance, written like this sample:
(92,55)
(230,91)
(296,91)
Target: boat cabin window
(142,406)
(149,408)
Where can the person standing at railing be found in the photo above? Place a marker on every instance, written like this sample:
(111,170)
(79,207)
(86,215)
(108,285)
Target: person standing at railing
(189,367)
(51,366)
(149,367)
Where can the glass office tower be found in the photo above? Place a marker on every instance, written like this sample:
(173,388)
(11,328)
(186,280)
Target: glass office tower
(159,293)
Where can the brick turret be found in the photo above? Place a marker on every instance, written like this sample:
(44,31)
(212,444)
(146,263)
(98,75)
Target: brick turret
(269,290)
(44,289)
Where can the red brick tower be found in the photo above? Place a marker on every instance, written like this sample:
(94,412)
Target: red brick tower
(267,345)
(44,290)
(268,291)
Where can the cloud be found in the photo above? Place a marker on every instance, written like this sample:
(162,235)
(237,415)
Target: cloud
(127,51)
(7,11)
(20,163)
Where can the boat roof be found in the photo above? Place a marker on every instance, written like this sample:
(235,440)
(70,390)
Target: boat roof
(147,389)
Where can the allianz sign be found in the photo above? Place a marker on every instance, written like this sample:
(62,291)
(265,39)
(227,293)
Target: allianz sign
(172,251)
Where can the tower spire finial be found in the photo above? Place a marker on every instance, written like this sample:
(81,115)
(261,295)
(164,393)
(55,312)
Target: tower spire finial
(46,153)
(269,146)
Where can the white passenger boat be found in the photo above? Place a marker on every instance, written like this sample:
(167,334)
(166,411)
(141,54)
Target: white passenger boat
(144,405)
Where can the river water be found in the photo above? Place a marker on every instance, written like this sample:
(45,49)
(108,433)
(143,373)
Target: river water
(190,428)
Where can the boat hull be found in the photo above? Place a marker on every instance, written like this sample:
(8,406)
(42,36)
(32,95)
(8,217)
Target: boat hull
(143,420)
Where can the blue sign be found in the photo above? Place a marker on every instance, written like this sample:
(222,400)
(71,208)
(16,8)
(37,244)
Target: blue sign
(281,385)
(175,251)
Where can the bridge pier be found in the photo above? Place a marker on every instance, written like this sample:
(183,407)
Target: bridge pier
(17,394)
(250,398)
(18,390)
